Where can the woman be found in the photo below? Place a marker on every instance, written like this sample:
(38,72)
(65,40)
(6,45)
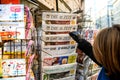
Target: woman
(105,51)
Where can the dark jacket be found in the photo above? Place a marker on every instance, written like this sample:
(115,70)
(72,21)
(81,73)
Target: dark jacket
(102,75)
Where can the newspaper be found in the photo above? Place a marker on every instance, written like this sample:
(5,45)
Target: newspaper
(58,28)
(59,60)
(56,38)
(59,71)
(58,16)
(58,49)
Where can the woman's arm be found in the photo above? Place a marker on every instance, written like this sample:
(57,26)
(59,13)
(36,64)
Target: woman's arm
(84,45)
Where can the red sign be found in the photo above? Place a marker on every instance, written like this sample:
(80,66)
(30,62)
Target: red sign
(10,1)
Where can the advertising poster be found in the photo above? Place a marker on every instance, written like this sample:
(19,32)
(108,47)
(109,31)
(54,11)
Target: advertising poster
(11,12)
(13,67)
(12,22)
(12,30)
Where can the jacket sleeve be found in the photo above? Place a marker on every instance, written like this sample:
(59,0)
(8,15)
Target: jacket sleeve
(83,45)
